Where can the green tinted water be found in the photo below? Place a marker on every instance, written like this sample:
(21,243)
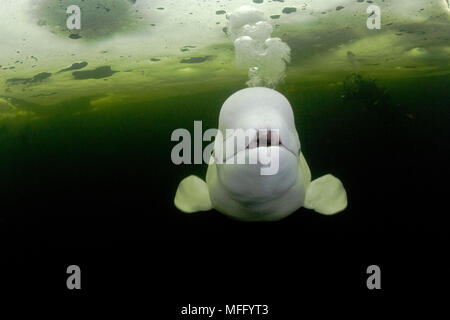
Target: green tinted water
(94,118)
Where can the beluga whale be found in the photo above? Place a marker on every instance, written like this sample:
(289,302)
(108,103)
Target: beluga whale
(274,186)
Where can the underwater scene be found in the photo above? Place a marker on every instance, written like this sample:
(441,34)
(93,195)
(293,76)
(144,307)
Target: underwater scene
(92,93)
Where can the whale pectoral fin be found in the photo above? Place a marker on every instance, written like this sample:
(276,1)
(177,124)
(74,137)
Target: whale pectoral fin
(192,195)
(326,195)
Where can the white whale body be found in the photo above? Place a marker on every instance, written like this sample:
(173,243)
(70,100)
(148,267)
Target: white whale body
(240,190)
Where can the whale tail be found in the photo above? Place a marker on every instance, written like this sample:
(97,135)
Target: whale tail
(326,195)
(192,195)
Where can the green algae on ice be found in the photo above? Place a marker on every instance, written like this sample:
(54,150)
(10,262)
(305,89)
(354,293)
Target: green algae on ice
(98,73)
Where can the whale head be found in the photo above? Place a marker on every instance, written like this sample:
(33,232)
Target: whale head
(266,119)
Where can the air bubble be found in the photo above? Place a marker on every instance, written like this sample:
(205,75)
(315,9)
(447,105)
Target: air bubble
(264,57)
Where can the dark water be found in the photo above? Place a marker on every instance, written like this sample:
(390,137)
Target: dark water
(96,189)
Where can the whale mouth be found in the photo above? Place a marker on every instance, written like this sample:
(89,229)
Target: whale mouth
(258,139)
(265,138)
